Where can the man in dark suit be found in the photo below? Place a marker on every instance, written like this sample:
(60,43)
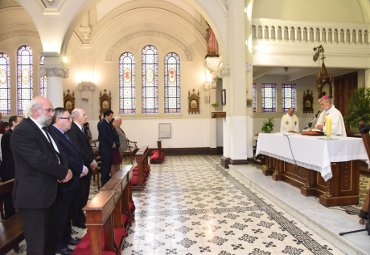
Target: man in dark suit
(79,138)
(7,169)
(68,192)
(106,145)
(39,167)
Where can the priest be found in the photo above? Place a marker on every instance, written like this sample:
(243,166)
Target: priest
(289,122)
(329,112)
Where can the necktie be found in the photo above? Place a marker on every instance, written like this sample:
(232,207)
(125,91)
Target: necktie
(68,138)
(56,150)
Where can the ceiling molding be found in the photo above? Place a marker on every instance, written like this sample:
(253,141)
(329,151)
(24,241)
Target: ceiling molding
(51,7)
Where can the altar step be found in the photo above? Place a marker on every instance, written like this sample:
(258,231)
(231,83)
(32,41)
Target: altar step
(327,222)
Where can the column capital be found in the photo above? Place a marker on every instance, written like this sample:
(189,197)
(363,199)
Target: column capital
(54,72)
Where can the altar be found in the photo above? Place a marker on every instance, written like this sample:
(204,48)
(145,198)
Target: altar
(326,168)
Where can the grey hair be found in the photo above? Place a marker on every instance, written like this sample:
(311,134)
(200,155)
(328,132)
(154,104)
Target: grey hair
(76,113)
(117,117)
(33,104)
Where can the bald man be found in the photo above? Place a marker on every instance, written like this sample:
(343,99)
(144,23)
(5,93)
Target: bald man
(79,138)
(289,122)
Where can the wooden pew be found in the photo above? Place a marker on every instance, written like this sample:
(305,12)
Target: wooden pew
(115,185)
(124,175)
(141,169)
(99,223)
(11,231)
(104,213)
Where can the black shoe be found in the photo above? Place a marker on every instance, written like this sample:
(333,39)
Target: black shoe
(74,241)
(80,225)
(65,251)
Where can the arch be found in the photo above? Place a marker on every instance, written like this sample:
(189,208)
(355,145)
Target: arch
(156,33)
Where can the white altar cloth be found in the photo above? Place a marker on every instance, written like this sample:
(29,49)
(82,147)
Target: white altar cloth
(312,152)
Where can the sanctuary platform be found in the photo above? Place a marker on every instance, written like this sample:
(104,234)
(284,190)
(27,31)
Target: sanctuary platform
(328,222)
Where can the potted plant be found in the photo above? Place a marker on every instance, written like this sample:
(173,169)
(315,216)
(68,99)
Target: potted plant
(358,115)
(268,125)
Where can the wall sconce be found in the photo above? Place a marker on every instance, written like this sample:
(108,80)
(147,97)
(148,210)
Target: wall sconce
(86,86)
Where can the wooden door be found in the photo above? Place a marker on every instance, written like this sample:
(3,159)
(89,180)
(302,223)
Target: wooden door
(344,85)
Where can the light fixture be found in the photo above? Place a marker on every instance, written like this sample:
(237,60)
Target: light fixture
(323,78)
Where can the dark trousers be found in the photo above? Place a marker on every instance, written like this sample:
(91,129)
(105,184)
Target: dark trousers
(78,217)
(8,206)
(63,217)
(106,163)
(39,230)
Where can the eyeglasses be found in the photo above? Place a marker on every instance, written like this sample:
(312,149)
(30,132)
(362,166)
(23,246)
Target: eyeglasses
(49,110)
(65,118)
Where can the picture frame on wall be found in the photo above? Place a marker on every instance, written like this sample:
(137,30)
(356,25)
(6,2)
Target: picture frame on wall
(223,96)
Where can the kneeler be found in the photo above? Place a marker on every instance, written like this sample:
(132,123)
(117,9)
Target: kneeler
(84,246)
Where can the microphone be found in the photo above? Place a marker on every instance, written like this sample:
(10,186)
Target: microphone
(309,124)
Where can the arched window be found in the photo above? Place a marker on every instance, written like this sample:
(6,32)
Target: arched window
(43,79)
(268,96)
(24,77)
(172,89)
(127,83)
(149,57)
(289,98)
(4,84)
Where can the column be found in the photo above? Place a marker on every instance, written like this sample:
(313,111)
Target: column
(55,72)
(367,78)
(234,78)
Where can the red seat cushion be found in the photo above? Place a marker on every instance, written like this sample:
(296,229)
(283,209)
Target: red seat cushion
(157,157)
(126,219)
(84,246)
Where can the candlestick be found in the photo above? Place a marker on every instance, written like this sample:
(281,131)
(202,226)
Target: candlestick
(328,122)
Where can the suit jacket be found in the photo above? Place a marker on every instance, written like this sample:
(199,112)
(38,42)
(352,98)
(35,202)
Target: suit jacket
(83,145)
(122,139)
(37,169)
(106,138)
(74,159)
(7,169)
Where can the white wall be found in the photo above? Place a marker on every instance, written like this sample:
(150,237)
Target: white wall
(185,133)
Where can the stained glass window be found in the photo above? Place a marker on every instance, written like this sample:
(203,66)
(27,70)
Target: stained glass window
(288,92)
(254,97)
(4,84)
(24,77)
(43,79)
(127,83)
(172,92)
(268,93)
(149,80)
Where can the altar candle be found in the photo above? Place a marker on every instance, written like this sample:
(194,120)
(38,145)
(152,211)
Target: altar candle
(328,122)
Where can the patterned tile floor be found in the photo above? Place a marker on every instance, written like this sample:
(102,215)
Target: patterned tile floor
(191,205)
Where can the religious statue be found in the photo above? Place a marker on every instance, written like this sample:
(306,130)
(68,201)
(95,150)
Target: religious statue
(212,44)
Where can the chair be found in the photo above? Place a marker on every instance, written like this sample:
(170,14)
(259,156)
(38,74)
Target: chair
(131,150)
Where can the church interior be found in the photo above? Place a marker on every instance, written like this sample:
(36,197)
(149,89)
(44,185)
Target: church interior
(202,77)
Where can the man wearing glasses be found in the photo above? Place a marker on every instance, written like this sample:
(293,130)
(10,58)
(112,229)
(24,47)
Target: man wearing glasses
(38,171)
(68,192)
